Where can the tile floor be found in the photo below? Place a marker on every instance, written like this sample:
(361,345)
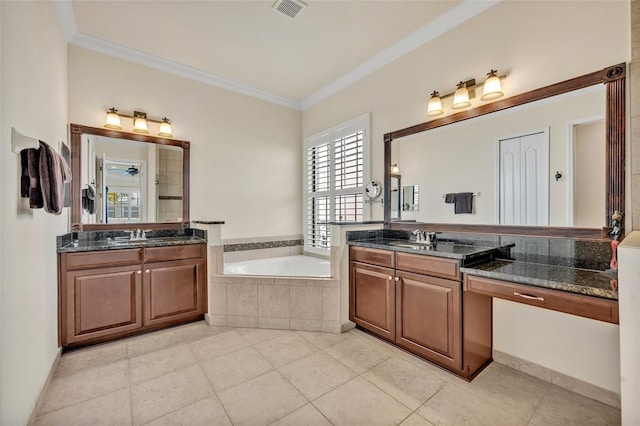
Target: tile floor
(201,375)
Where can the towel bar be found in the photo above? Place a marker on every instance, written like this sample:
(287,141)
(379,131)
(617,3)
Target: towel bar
(20,141)
(475,194)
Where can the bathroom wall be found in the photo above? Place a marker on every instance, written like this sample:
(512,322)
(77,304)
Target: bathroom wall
(34,101)
(244,151)
(536,44)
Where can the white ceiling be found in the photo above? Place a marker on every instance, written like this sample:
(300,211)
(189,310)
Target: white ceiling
(248,47)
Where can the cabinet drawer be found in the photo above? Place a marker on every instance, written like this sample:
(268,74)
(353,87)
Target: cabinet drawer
(91,259)
(428,265)
(372,256)
(188,251)
(570,303)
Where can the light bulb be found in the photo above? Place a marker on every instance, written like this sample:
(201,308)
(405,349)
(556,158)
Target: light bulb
(113,120)
(435,105)
(461,97)
(492,87)
(165,128)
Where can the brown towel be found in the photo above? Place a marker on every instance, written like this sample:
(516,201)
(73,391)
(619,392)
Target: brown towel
(89,199)
(24,176)
(30,177)
(463,203)
(54,172)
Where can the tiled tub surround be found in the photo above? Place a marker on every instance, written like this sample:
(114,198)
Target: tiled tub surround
(243,249)
(288,303)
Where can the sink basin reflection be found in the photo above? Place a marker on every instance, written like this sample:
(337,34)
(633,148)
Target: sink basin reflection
(149,241)
(412,245)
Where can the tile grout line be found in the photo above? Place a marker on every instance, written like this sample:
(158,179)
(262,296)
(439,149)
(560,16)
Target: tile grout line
(535,410)
(213,389)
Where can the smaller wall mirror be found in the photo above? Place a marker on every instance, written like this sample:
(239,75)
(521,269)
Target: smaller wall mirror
(123,180)
(410,198)
(373,189)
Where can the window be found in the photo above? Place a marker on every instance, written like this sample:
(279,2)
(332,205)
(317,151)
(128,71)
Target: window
(123,205)
(336,171)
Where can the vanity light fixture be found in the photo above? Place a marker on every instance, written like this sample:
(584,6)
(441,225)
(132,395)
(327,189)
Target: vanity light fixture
(394,167)
(140,122)
(113,120)
(435,105)
(492,89)
(461,97)
(165,128)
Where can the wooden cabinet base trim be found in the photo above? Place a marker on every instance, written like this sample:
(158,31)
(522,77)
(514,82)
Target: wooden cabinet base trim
(131,333)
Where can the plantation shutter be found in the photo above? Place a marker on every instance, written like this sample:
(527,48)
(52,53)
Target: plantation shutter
(336,163)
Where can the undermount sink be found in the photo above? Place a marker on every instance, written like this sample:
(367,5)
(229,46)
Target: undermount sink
(127,241)
(412,245)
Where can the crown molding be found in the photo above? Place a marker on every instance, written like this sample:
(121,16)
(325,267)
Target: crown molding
(447,21)
(454,17)
(152,61)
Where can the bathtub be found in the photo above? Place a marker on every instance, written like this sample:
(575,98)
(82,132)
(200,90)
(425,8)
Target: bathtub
(289,266)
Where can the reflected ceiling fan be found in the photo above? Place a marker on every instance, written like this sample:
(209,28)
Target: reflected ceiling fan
(126,169)
(133,170)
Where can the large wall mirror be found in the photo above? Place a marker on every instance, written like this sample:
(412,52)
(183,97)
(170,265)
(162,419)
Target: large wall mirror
(127,181)
(547,162)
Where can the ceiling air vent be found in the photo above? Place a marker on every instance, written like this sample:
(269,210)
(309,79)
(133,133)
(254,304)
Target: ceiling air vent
(291,8)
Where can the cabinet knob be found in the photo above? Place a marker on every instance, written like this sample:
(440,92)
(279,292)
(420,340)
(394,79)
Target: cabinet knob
(397,279)
(147,271)
(138,272)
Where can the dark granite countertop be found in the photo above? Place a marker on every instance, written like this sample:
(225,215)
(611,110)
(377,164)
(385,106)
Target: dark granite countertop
(119,244)
(573,280)
(466,252)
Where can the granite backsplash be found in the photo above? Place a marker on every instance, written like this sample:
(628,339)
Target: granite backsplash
(66,239)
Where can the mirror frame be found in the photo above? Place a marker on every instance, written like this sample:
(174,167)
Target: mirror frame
(77,131)
(614,78)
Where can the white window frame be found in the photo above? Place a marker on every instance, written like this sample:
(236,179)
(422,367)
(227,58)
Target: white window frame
(361,123)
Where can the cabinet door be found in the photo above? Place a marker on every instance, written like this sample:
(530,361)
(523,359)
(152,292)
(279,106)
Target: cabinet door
(372,299)
(174,291)
(428,318)
(101,302)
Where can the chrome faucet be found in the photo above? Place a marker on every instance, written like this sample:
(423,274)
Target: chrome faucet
(428,238)
(420,236)
(137,235)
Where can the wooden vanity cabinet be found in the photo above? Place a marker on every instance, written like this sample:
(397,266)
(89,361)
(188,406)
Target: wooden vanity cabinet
(372,297)
(113,293)
(431,316)
(174,289)
(428,314)
(372,291)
